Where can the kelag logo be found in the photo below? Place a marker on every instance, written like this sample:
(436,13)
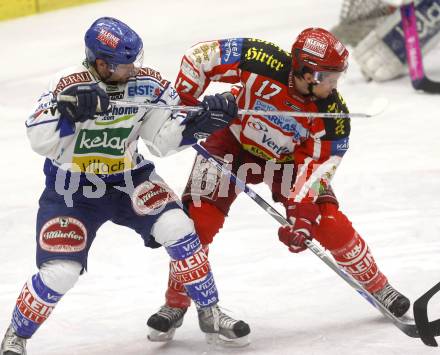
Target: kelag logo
(110,141)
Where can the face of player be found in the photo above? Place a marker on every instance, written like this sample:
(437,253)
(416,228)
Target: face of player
(321,83)
(325,83)
(123,72)
(119,73)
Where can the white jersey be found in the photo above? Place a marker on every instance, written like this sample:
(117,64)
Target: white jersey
(106,145)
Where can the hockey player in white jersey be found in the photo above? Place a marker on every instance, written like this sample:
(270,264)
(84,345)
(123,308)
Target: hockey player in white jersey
(94,174)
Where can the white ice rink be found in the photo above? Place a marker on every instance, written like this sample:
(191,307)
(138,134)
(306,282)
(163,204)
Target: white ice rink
(388,184)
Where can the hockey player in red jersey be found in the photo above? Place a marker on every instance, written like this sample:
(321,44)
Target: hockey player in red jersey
(308,150)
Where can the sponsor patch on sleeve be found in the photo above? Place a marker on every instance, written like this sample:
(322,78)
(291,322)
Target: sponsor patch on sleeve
(44,111)
(231,50)
(340,146)
(173,93)
(189,71)
(204,52)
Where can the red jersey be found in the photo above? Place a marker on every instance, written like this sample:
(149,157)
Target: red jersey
(315,145)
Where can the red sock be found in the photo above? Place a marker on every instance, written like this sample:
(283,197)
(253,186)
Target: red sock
(356,258)
(350,251)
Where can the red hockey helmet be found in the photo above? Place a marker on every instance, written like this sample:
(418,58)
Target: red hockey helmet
(318,50)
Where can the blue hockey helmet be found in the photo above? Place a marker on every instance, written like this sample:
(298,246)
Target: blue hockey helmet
(114,42)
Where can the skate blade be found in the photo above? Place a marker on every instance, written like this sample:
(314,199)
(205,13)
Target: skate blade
(158,336)
(218,339)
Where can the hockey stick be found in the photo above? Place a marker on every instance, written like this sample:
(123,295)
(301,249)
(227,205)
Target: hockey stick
(410,329)
(377,108)
(419,79)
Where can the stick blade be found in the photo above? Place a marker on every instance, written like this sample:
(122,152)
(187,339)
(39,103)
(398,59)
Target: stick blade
(427,85)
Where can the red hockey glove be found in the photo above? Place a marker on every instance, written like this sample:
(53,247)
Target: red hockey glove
(303,218)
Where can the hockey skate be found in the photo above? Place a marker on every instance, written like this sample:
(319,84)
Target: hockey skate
(393,300)
(221,329)
(12,344)
(164,323)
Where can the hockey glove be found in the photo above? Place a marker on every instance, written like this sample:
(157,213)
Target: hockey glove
(303,218)
(88,100)
(218,110)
